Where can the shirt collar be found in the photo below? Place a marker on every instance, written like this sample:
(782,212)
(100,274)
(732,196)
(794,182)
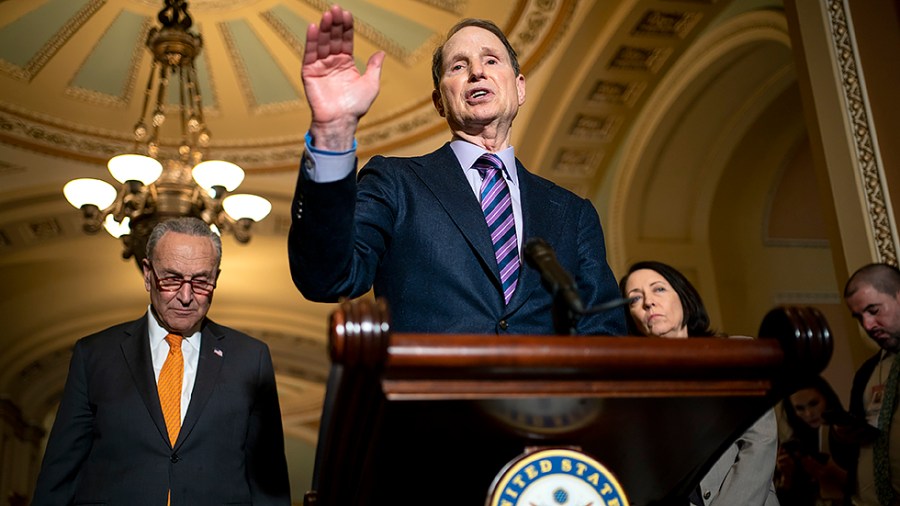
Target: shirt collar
(467,153)
(158,334)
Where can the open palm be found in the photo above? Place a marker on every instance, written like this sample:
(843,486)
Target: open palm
(337,93)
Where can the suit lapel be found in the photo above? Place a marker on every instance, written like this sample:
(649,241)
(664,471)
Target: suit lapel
(441,173)
(541,217)
(136,349)
(212,355)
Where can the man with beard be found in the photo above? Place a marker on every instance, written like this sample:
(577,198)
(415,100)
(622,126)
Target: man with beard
(873,296)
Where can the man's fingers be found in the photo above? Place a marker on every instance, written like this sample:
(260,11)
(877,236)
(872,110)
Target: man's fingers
(332,36)
(311,50)
(336,34)
(347,36)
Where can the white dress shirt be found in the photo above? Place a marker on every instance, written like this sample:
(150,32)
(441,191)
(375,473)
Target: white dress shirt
(326,167)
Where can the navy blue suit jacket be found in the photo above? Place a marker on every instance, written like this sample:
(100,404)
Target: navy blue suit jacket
(109,443)
(413,229)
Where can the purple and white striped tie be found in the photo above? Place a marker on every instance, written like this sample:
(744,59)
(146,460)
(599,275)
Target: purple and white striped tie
(497,206)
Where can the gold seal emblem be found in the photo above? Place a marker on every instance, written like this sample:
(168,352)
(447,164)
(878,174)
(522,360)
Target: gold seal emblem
(556,477)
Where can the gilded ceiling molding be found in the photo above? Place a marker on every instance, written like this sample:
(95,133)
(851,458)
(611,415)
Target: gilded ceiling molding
(384,41)
(44,135)
(46,52)
(104,99)
(595,128)
(868,161)
(667,24)
(617,93)
(421,118)
(389,46)
(540,25)
(44,138)
(246,88)
(205,5)
(454,6)
(632,58)
(285,33)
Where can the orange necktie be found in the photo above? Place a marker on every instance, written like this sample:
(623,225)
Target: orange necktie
(169,386)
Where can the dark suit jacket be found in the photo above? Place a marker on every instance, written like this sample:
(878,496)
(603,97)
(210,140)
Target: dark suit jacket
(860,379)
(858,408)
(417,233)
(109,443)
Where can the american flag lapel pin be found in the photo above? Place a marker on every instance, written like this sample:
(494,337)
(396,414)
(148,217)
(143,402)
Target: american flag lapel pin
(217,351)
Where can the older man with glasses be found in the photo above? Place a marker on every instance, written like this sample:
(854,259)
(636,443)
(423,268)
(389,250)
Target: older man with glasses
(171,408)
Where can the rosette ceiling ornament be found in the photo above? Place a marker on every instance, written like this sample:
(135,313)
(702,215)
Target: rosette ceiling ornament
(158,184)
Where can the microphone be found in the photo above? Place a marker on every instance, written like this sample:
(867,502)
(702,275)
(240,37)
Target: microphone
(612,304)
(540,255)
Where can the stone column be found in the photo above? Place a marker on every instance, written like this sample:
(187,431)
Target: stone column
(845,51)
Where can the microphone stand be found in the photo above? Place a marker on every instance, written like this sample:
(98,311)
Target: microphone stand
(565,316)
(567,307)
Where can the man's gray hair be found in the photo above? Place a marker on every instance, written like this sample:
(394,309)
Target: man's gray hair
(437,58)
(187,226)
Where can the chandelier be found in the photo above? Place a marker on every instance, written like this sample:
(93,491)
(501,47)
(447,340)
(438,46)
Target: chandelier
(158,184)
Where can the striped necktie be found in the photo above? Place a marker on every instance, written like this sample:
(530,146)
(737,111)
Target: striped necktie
(880,450)
(497,206)
(169,385)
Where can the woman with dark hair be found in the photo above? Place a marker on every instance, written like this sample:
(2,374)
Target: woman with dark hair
(665,304)
(812,462)
(696,319)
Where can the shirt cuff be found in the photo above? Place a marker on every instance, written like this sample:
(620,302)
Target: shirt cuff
(323,166)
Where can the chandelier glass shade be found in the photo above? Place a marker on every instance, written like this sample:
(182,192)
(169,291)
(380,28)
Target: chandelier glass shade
(159,183)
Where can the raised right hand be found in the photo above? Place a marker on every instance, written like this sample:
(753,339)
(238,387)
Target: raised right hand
(337,94)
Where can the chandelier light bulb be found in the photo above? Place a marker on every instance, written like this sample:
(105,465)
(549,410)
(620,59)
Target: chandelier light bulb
(115,228)
(154,184)
(88,191)
(218,173)
(241,206)
(140,131)
(133,167)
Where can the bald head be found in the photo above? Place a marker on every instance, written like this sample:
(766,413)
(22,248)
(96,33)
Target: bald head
(873,296)
(883,278)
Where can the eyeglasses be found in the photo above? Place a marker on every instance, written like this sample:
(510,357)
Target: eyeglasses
(174,283)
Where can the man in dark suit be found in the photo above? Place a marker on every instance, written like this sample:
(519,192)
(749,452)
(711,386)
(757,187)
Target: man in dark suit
(169,407)
(414,228)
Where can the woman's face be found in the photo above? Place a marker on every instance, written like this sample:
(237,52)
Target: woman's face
(657,310)
(809,404)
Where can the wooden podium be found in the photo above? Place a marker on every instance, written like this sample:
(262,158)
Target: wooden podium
(433,419)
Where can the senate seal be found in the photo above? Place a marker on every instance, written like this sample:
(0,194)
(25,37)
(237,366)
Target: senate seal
(556,477)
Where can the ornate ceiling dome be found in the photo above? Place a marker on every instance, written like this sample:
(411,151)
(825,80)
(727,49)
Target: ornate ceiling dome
(73,72)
